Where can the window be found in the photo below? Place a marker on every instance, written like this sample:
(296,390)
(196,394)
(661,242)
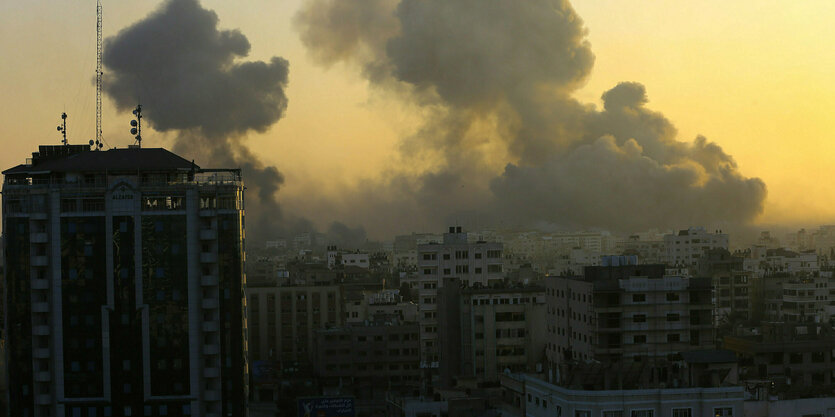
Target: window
(723,411)
(682,412)
(582,413)
(673,337)
(639,298)
(612,413)
(639,318)
(673,317)
(639,338)
(642,413)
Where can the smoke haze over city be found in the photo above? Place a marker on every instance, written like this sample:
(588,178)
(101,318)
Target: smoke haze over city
(499,125)
(503,141)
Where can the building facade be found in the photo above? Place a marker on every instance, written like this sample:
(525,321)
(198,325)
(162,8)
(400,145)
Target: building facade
(533,397)
(628,313)
(487,331)
(688,246)
(283,320)
(478,263)
(380,355)
(125,276)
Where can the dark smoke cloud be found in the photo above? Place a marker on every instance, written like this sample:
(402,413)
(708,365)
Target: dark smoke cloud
(183,69)
(513,66)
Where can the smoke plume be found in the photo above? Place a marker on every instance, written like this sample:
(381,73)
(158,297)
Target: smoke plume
(500,74)
(184,70)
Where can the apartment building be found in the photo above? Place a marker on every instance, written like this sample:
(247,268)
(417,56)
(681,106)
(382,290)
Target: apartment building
(473,263)
(737,293)
(283,319)
(688,246)
(627,313)
(792,355)
(487,331)
(381,354)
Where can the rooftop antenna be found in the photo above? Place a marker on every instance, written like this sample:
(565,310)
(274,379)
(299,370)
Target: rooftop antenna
(63,128)
(98,143)
(136,125)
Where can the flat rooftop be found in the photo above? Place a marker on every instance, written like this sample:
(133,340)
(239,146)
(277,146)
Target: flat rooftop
(79,158)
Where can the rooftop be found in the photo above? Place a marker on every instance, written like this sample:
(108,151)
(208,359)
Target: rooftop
(77,158)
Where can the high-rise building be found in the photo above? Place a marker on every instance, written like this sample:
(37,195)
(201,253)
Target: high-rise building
(124,285)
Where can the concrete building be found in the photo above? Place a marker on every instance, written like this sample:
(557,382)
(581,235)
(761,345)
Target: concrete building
(124,280)
(571,323)
(687,246)
(537,398)
(386,302)
(647,251)
(283,320)
(383,354)
(792,356)
(487,331)
(797,297)
(478,263)
(627,313)
(737,293)
(338,257)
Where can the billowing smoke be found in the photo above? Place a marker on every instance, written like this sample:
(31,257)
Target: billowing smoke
(505,142)
(183,69)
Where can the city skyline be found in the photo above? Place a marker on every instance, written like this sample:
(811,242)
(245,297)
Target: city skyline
(704,67)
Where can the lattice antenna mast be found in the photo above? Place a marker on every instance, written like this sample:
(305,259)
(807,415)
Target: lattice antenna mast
(99,75)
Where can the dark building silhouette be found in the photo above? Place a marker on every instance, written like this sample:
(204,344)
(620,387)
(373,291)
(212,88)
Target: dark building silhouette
(125,275)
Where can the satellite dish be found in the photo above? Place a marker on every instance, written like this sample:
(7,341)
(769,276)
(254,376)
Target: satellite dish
(58,128)
(91,142)
(133,131)
(133,123)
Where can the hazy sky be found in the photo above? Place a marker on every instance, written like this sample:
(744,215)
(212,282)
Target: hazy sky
(753,76)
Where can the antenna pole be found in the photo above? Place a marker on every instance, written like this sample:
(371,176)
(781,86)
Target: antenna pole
(63,128)
(136,125)
(99,75)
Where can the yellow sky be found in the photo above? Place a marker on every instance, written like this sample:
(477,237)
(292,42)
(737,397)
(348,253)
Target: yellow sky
(755,76)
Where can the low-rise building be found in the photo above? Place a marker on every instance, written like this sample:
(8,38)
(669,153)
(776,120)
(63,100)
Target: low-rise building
(537,398)
(791,355)
(379,355)
(688,246)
